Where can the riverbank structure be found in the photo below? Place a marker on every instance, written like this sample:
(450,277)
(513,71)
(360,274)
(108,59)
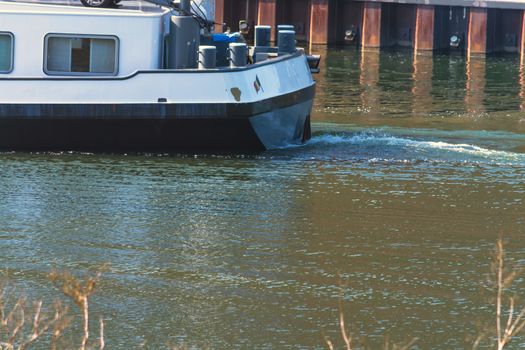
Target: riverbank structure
(472,27)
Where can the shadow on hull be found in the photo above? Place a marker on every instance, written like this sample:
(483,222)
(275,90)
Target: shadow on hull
(156,135)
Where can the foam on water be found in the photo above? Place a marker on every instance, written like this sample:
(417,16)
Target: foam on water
(373,143)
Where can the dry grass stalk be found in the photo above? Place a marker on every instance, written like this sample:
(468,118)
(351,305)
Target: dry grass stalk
(504,279)
(79,292)
(101,336)
(345,334)
(347,338)
(22,326)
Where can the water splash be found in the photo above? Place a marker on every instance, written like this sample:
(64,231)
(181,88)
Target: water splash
(380,144)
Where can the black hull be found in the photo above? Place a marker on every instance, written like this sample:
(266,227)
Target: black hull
(158,127)
(128,135)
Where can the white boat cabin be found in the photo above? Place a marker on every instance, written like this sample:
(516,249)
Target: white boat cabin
(47,40)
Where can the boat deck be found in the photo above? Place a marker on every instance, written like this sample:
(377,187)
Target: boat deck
(140,6)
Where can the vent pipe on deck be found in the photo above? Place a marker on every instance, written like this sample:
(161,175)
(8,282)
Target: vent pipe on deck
(183,43)
(184,39)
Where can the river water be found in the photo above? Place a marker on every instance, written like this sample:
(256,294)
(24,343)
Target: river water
(391,210)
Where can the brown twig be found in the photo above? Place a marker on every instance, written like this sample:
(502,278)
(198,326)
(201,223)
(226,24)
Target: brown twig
(16,331)
(507,329)
(515,322)
(101,339)
(41,325)
(79,292)
(346,337)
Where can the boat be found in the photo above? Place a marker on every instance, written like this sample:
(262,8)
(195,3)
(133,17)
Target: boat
(145,77)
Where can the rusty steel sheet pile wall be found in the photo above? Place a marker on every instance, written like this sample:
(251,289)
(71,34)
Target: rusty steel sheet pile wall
(471,27)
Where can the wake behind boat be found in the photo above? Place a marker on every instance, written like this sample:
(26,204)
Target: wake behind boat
(145,78)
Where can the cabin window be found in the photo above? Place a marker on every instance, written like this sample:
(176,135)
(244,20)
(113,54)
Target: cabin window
(81,55)
(6,52)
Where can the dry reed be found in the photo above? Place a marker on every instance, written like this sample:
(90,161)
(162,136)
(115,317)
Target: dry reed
(347,337)
(509,322)
(80,291)
(21,326)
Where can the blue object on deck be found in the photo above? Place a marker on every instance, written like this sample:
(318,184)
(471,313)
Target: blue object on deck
(221,42)
(225,38)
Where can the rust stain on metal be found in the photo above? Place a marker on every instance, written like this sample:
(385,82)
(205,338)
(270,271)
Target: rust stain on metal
(477,32)
(236,92)
(219,15)
(372,24)
(267,14)
(424,38)
(319,24)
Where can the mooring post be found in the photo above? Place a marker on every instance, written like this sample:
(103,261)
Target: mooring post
(424,36)
(219,15)
(267,15)
(371,33)
(319,22)
(522,40)
(477,32)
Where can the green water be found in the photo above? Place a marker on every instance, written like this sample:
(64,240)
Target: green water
(393,207)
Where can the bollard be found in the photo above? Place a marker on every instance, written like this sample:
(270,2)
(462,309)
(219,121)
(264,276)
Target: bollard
(283,27)
(263,35)
(286,39)
(207,57)
(238,53)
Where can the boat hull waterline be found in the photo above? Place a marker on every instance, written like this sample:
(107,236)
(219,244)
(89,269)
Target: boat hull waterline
(265,106)
(160,131)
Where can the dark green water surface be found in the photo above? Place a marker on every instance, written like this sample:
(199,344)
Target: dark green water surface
(415,167)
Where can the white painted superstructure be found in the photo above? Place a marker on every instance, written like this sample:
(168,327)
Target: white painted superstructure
(140,31)
(173,86)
